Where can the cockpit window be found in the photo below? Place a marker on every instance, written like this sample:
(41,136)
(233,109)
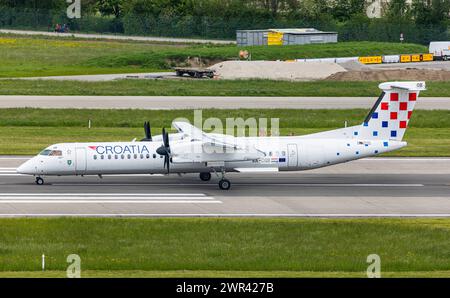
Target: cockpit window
(56,153)
(45,152)
(48,152)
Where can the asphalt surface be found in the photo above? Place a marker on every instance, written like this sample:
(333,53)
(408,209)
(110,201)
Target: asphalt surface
(119,37)
(204,102)
(105,77)
(434,65)
(378,187)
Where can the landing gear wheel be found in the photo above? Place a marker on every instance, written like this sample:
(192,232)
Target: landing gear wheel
(224,184)
(39,181)
(205,176)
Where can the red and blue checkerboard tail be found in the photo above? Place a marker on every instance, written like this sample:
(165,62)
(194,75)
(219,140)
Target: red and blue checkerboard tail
(389,117)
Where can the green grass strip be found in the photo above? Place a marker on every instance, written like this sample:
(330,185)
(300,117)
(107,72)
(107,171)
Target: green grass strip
(205,87)
(197,244)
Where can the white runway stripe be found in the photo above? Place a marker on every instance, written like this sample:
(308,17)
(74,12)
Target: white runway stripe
(107,194)
(246,184)
(109,202)
(106,198)
(11,175)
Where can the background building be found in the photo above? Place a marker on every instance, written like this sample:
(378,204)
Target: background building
(293,36)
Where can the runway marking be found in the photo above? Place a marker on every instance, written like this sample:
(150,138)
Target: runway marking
(64,198)
(324,215)
(243,184)
(108,202)
(107,194)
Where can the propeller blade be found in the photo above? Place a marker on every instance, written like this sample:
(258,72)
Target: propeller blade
(167,162)
(147,132)
(166,139)
(165,149)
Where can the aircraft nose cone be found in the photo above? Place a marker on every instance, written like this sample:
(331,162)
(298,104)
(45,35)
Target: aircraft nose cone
(26,168)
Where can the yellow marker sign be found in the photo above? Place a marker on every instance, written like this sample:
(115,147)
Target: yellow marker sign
(427,57)
(405,58)
(274,38)
(415,58)
(370,60)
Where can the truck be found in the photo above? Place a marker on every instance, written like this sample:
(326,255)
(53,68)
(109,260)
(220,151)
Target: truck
(440,50)
(194,72)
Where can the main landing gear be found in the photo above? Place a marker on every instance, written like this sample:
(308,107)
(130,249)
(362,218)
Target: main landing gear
(206,176)
(224,184)
(39,181)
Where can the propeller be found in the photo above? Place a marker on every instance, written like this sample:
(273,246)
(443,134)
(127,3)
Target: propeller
(164,150)
(148,133)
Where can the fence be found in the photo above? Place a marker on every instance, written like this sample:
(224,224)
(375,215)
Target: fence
(356,29)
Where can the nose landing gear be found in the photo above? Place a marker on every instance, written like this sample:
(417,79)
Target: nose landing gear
(39,181)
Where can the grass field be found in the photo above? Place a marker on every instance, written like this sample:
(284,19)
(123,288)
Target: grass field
(27,131)
(225,247)
(39,56)
(205,88)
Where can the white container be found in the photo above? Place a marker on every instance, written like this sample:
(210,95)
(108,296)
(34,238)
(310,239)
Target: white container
(391,59)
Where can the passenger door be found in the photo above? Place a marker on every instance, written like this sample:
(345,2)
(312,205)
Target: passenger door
(80,162)
(292,155)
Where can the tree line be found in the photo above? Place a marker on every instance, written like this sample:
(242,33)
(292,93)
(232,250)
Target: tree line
(419,22)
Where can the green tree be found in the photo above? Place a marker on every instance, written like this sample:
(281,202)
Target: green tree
(343,10)
(398,10)
(426,12)
(110,7)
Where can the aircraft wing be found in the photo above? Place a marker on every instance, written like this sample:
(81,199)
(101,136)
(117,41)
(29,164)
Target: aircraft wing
(197,134)
(199,146)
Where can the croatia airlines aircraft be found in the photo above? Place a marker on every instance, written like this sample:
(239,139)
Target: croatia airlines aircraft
(191,150)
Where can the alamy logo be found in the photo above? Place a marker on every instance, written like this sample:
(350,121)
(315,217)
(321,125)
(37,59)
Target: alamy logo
(74,9)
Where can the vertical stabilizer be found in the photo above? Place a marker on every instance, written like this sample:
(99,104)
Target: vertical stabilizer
(389,117)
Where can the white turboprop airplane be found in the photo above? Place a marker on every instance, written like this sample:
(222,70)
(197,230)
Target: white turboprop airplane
(194,151)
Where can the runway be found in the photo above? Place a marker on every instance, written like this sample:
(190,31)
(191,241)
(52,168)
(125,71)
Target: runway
(376,187)
(204,102)
(119,37)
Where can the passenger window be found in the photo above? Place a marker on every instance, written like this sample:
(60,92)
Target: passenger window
(147,156)
(129,156)
(102,157)
(135,156)
(116,156)
(109,156)
(154,155)
(142,156)
(95,157)
(122,156)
